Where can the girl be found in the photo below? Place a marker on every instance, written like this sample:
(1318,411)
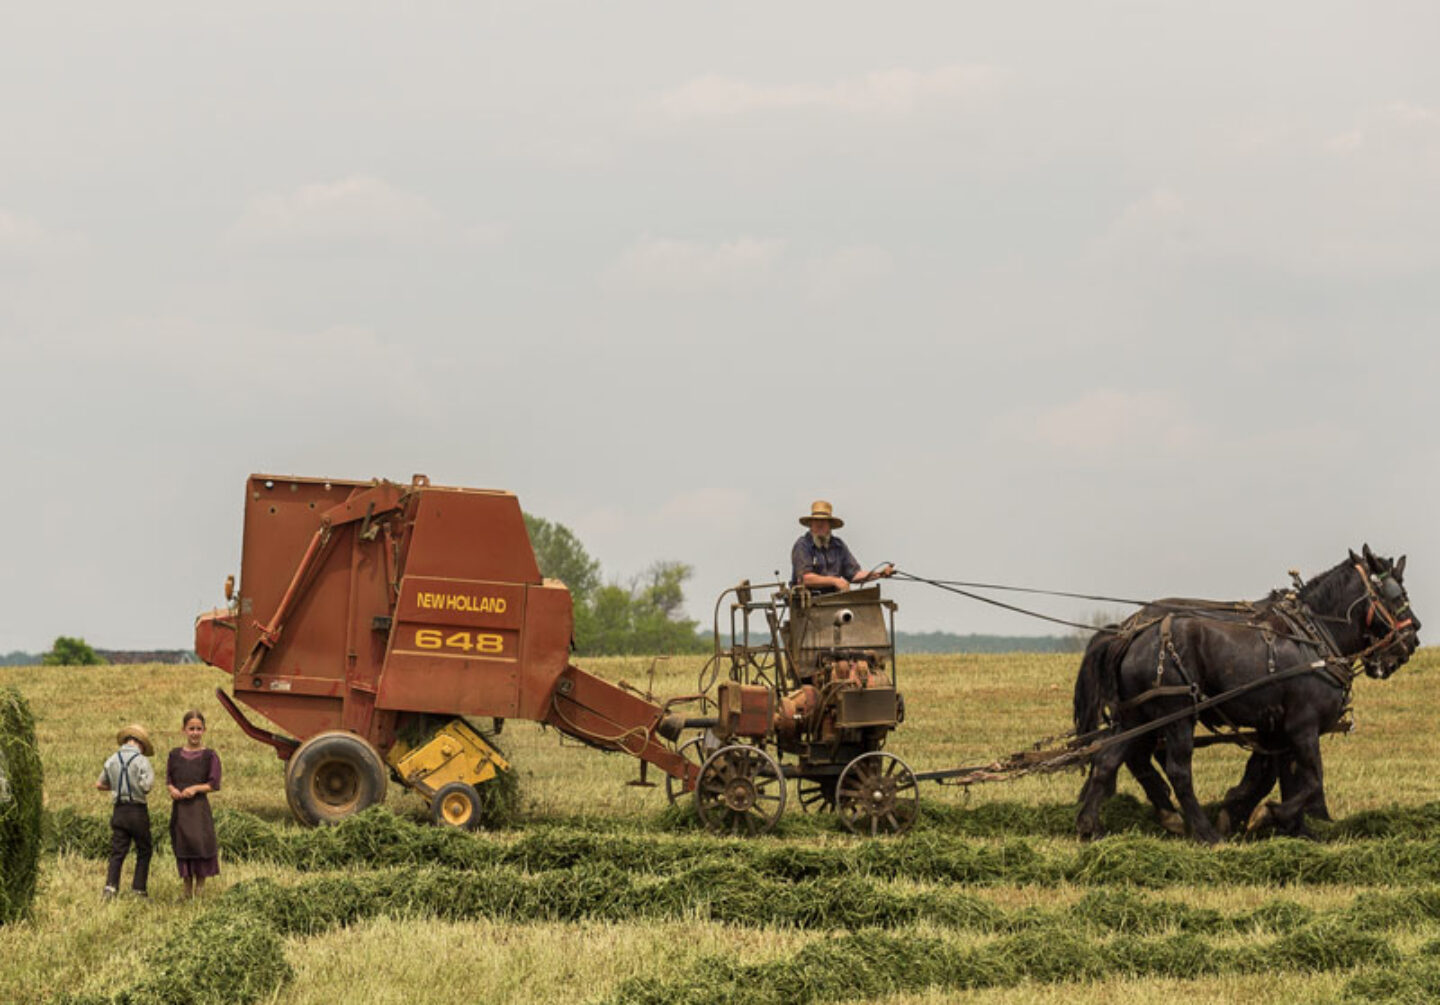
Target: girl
(191,773)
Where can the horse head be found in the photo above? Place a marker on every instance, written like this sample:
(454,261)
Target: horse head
(1390,629)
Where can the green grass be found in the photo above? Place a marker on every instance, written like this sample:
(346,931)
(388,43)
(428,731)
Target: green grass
(598,891)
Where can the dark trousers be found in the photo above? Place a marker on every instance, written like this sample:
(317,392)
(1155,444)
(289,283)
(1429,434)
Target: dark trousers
(129,822)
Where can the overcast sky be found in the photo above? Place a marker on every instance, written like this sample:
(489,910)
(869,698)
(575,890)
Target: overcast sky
(1138,298)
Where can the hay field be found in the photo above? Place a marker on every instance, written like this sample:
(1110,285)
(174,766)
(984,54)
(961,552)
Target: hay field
(601,893)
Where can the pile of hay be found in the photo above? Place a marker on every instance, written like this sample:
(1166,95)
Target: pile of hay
(21,790)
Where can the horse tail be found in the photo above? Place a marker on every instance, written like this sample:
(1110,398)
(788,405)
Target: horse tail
(1096,685)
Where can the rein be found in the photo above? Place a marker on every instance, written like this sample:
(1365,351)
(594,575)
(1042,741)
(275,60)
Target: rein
(1198,609)
(1309,629)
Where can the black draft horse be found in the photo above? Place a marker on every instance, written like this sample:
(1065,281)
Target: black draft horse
(1175,653)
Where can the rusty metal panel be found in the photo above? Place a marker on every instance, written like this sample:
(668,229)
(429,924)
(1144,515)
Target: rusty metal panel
(876,706)
(545,647)
(867,629)
(471,534)
(745,709)
(281,518)
(325,645)
(297,714)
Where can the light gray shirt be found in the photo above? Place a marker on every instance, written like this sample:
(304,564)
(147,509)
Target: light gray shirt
(128,775)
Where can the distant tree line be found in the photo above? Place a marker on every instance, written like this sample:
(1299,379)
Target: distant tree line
(645,615)
(949,642)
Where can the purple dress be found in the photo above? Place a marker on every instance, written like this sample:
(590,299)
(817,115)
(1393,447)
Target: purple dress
(192,827)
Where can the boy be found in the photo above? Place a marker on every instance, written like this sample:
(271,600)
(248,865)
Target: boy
(128,776)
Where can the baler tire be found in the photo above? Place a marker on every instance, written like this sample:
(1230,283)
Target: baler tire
(332,776)
(457,805)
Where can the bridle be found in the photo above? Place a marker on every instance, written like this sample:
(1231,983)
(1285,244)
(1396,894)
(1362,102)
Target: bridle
(1384,656)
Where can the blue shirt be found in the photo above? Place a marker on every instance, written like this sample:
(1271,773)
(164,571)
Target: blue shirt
(832,560)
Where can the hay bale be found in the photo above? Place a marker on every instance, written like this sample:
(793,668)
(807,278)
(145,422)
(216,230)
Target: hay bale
(21,795)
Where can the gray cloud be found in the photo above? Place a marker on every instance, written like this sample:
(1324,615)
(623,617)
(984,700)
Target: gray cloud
(1131,297)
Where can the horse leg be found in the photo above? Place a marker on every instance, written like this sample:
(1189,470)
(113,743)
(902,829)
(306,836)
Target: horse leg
(1098,787)
(1179,747)
(1141,765)
(1288,815)
(1255,785)
(1289,781)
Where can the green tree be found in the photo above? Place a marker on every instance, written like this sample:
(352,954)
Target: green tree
(561,556)
(646,617)
(68,652)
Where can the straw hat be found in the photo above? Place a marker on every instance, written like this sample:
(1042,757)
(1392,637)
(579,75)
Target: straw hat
(136,732)
(820,510)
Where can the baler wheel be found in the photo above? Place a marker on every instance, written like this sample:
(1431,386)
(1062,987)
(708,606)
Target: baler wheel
(456,805)
(332,776)
(877,794)
(741,791)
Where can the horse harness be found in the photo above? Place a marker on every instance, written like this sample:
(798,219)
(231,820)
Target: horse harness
(1299,624)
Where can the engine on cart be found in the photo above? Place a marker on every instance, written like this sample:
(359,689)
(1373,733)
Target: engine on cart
(811,676)
(849,699)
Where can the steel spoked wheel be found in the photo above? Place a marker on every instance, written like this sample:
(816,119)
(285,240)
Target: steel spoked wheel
(741,791)
(692,750)
(877,794)
(817,795)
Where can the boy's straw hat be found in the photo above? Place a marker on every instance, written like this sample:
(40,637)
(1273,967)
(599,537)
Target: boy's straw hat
(138,733)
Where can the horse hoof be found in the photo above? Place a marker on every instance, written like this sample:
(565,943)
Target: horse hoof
(1259,818)
(1222,823)
(1172,822)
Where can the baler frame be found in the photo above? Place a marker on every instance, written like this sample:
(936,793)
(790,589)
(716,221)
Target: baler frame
(365,607)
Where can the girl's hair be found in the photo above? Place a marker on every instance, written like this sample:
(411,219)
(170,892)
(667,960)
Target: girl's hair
(194,713)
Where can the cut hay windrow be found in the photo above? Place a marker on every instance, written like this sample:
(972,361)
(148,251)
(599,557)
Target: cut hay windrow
(874,964)
(1416,981)
(379,838)
(243,961)
(21,798)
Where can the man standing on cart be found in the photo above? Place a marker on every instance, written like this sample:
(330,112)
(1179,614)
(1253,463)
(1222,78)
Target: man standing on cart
(821,562)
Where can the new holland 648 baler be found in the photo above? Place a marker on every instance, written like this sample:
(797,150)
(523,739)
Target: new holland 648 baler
(373,618)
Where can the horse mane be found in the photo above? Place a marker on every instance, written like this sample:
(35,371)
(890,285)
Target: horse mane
(1325,592)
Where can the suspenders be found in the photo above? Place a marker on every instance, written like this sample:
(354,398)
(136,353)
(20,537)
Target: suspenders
(124,791)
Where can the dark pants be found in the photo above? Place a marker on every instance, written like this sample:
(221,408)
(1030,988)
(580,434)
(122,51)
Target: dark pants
(129,822)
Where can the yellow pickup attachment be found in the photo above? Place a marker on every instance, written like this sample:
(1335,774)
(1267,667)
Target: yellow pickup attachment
(446,769)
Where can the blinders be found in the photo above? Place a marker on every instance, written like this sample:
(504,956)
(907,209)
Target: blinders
(1388,599)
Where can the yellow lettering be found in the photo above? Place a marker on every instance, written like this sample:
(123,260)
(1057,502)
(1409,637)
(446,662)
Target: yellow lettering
(460,602)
